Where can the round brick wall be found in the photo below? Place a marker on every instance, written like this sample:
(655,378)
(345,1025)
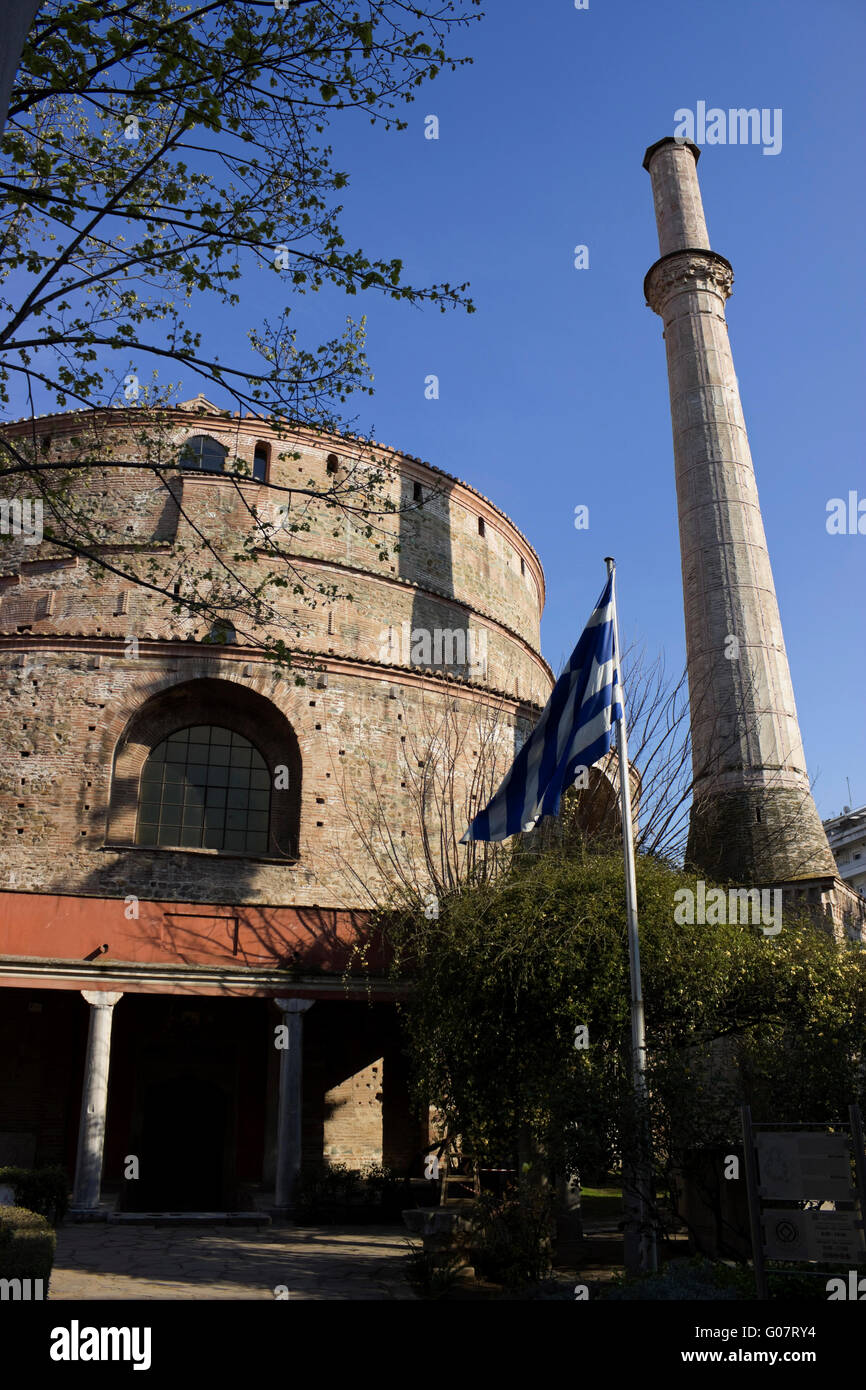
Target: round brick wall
(435,656)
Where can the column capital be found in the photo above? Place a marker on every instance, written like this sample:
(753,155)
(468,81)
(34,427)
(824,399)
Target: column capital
(687,270)
(294,1006)
(101,998)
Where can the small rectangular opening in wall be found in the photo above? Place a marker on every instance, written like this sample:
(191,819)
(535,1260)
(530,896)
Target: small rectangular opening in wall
(417,492)
(522,565)
(482,529)
(261,459)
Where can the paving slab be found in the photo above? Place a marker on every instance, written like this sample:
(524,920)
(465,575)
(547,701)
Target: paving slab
(106,1261)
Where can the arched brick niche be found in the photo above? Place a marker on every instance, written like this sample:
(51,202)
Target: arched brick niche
(227,705)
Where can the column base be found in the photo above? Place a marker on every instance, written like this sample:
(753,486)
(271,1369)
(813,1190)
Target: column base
(758,835)
(92,1214)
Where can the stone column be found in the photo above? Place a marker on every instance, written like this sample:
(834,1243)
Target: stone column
(753,817)
(91,1129)
(290,1100)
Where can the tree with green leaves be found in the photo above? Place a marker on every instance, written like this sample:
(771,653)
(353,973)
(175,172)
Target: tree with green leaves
(518,1017)
(154,156)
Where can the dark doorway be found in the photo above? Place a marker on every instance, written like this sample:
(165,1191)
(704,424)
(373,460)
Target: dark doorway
(183,1147)
(187,1096)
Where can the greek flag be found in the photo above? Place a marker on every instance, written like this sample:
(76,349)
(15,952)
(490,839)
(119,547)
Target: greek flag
(574,731)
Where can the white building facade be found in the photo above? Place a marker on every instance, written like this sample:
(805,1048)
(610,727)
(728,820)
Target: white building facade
(847,836)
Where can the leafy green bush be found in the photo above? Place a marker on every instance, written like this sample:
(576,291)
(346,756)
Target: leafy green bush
(696,1278)
(333,1191)
(699,1278)
(509,969)
(784,1281)
(513,1238)
(27,1245)
(432,1274)
(43,1190)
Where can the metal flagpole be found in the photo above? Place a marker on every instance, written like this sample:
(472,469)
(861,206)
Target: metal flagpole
(643,1173)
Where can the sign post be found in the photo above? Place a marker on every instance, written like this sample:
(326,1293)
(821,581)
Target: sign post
(802,1165)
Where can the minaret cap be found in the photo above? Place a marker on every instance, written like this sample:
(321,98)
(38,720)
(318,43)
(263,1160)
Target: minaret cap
(671,140)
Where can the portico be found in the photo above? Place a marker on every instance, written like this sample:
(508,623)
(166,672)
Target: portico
(205,1103)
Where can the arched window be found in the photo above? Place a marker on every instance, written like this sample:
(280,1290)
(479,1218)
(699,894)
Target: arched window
(201,451)
(261,458)
(181,715)
(222,631)
(205,787)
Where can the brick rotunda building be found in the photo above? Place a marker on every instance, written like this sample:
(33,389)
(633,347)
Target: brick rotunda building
(186,873)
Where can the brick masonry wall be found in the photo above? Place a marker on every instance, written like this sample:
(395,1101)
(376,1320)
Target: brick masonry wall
(758,835)
(73,689)
(63,718)
(441,551)
(353,1123)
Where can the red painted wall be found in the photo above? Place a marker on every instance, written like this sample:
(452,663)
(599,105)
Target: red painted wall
(73,928)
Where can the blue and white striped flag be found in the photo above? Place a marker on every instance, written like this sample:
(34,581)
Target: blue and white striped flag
(574,731)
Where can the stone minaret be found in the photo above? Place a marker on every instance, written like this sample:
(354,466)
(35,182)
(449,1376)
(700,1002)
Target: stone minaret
(753,819)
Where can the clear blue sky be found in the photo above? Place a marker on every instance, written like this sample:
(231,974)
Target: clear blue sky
(555,392)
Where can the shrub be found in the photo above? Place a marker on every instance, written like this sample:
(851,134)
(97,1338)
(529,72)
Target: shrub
(696,1278)
(784,1281)
(699,1278)
(513,1238)
(43,1190)
(27,1245)
(332,1191)
(433,1273)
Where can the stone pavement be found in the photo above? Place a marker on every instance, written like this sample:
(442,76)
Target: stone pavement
(219,1262)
